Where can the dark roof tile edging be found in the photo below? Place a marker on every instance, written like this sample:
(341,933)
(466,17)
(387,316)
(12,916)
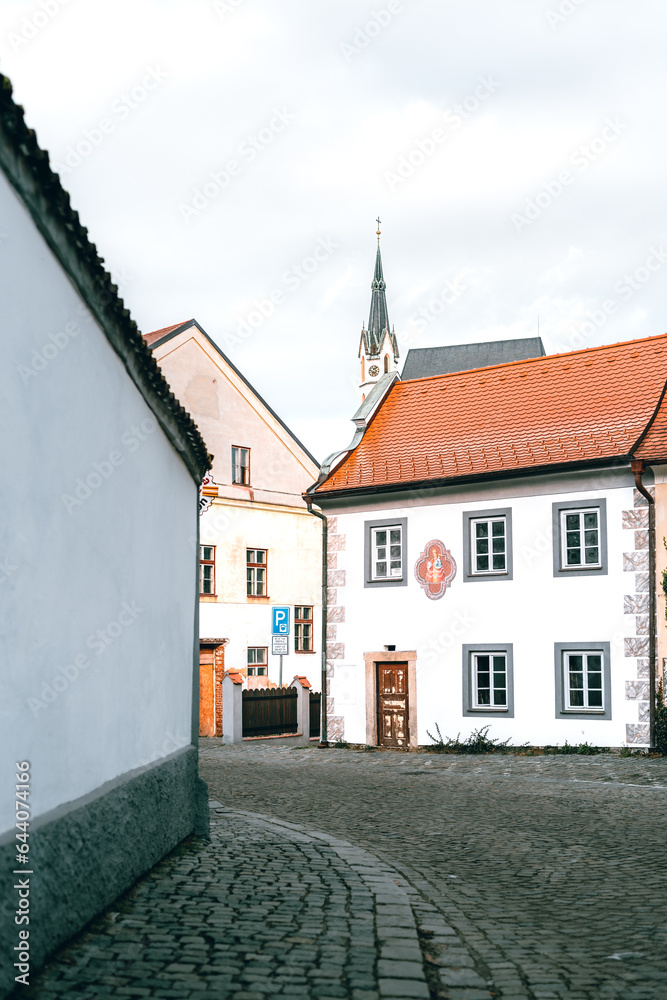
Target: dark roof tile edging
(27,168)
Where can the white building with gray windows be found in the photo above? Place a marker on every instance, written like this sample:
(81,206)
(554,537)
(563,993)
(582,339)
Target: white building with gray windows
(492,551)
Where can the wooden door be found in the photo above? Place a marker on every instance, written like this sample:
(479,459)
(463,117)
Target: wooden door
(206,699)
(393,705)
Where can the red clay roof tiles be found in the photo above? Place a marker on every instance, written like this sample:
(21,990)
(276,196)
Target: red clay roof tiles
(584,406)
(154,335)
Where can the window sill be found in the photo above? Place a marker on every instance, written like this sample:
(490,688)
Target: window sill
(582,711)
(579,569)
(489,709)
(306,652)
(206,598)
(256,597)
(475,577)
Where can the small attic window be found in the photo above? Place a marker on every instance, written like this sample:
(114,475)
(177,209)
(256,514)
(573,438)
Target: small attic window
(386,363)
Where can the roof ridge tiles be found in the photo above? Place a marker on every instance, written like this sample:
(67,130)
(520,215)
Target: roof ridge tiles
(533,361)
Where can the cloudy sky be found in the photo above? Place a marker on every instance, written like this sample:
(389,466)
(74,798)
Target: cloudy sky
(229,158)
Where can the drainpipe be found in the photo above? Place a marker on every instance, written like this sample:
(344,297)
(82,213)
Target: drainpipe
(322,517)
(638,467)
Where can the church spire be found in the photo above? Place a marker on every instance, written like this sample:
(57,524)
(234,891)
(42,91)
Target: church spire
(378,320)
(378,342)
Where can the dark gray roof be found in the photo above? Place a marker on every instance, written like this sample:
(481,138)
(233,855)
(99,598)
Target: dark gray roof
(378,320)
(422,362)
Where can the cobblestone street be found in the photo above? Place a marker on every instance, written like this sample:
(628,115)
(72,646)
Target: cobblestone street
(368,875)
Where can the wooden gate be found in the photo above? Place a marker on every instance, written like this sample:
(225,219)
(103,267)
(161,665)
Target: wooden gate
(315,710)
(270,712)
(393,704)
(206,699)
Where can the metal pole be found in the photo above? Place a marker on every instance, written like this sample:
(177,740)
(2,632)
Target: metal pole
(280,675)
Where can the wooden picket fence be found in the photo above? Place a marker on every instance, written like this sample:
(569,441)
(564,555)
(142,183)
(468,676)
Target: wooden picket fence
(270,712)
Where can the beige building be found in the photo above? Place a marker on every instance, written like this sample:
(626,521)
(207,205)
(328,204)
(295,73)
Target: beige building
(259,545)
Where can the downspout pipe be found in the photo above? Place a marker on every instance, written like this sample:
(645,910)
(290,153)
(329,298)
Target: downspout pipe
(323,707)
(638,468)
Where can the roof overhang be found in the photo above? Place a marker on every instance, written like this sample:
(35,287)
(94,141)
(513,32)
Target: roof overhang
(441,484)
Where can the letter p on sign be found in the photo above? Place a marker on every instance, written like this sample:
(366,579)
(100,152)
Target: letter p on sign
(280,621)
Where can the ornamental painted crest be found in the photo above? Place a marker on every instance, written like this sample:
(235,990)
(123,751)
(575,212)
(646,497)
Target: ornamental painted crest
(435,569)
(204,500)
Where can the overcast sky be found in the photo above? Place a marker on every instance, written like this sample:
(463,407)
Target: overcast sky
(229,158)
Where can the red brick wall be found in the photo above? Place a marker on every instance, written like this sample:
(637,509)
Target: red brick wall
(219,662)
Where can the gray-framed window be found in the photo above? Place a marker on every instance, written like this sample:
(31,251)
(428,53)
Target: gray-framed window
(580,537)
(583,680)
(488,679)
(487,545)
(385,552)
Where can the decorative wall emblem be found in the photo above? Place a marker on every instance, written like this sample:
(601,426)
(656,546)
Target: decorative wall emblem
(205,501)
(435,569)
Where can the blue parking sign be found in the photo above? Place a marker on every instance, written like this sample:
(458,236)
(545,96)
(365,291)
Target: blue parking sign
(280,620)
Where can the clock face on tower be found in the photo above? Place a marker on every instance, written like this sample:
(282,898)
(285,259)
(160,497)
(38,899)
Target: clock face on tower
(373,371)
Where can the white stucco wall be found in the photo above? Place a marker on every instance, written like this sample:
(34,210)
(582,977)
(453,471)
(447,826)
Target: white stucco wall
(533,611)
(80,706)
(293,540)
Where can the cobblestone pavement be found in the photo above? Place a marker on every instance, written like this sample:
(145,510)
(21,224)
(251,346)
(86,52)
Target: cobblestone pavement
(387,876)
(265,909)
(550,870)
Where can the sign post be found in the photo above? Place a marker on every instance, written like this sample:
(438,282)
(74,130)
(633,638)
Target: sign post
(280,631)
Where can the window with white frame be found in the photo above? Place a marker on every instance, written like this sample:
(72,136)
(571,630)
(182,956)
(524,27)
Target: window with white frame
(580,538)
(257,661)
(256,573)
(488,543)
(488,679)
(207,569)
(387,552)
(583,680)
(303,629)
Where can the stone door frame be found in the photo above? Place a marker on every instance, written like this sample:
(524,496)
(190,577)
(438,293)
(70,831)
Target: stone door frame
(371,661)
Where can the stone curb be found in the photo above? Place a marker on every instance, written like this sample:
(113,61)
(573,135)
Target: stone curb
(407,980)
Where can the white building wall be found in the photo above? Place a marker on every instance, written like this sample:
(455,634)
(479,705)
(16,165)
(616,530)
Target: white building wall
(532,611)
(293,540)
(97,609)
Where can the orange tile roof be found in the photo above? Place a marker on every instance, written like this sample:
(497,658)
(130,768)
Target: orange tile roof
(581,407)
(154,335)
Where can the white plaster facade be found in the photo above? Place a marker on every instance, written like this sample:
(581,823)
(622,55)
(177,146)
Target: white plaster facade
(268,513)
(97,614)
(532,611)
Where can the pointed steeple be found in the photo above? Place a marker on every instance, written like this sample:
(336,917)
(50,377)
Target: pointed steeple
(379,339)
(378,320)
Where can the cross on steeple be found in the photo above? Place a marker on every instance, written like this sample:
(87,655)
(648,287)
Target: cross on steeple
(378,228)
